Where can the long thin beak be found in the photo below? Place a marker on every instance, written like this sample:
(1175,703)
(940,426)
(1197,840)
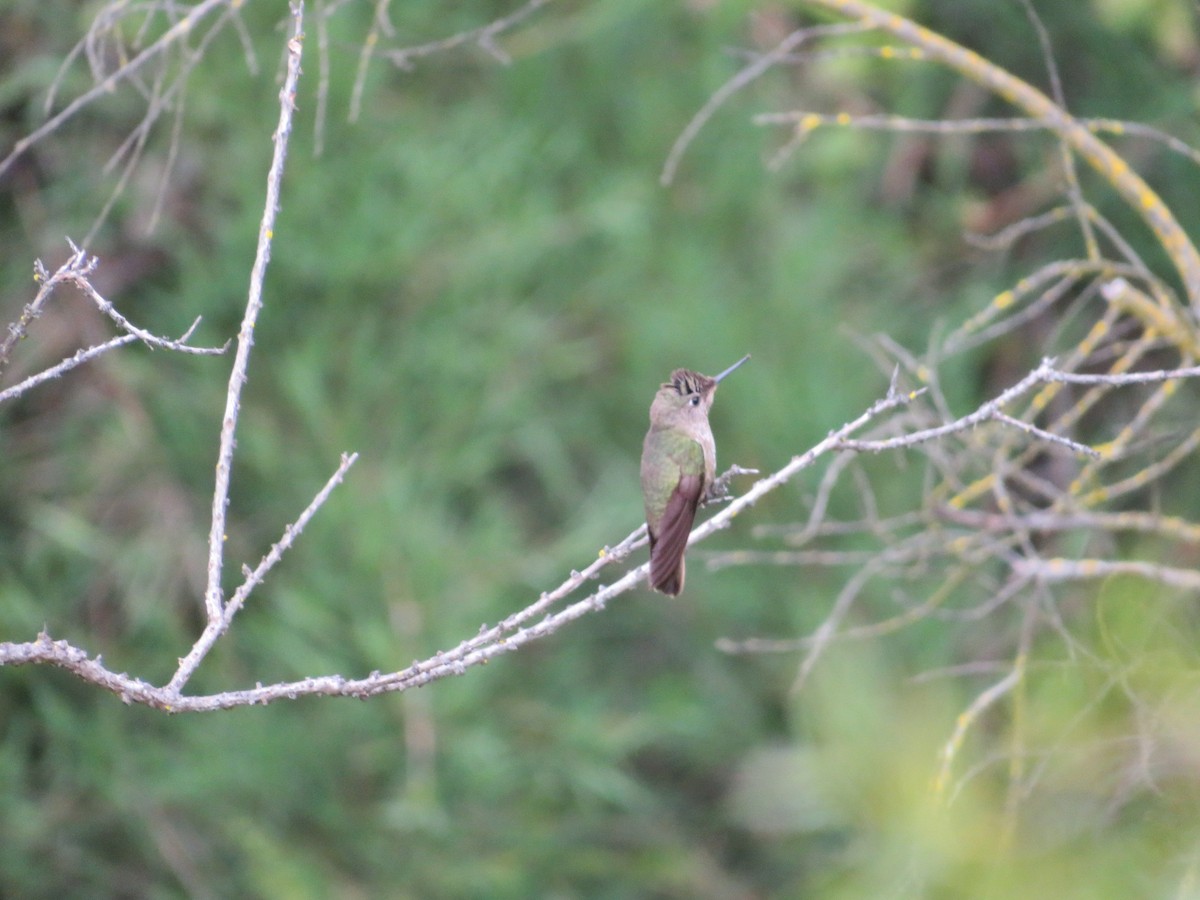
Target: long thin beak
(731,368)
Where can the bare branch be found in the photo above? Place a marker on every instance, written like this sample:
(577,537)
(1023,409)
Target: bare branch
(77,263)
(213,601)
(214,629)
(65,366)
(77,271)
(484,37)
(175,34)
(743,78)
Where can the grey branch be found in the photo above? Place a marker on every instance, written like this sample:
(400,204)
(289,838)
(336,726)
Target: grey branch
(483,37)
(103,88)
(746,76)
(213,601)
(77,270)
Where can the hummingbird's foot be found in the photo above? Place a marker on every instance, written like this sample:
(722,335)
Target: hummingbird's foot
(719,492)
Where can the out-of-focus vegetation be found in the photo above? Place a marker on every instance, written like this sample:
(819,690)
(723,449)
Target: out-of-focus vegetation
(478,286)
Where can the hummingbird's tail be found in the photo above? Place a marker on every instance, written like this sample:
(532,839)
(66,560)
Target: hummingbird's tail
(669,534)
(666,566)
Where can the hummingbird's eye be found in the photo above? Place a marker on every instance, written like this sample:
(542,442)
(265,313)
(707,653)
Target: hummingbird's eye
(694,400)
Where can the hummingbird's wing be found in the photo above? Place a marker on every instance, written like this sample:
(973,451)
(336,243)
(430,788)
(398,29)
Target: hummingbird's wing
(669,540)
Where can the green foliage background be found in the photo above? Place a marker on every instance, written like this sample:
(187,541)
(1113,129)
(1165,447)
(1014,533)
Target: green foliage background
(477,287)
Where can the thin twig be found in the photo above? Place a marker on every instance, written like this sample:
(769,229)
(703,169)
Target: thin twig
(484,37)
(743,78)
(80,357)
(245,341)
(1074,195)
(189,664)
(173,35)
(966,719)
(77,263)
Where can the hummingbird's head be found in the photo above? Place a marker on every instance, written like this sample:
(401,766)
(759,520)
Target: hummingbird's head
(687,397)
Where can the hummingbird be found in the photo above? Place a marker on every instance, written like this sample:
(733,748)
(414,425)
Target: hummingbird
(679,462)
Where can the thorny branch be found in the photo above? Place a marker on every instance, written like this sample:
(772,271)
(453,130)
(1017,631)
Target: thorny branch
(213,601)
(162,91)
(77,271)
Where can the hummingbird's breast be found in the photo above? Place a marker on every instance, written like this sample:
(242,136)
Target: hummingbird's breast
(710,458)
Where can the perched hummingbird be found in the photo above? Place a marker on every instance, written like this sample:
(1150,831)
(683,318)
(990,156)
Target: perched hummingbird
(679,462)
